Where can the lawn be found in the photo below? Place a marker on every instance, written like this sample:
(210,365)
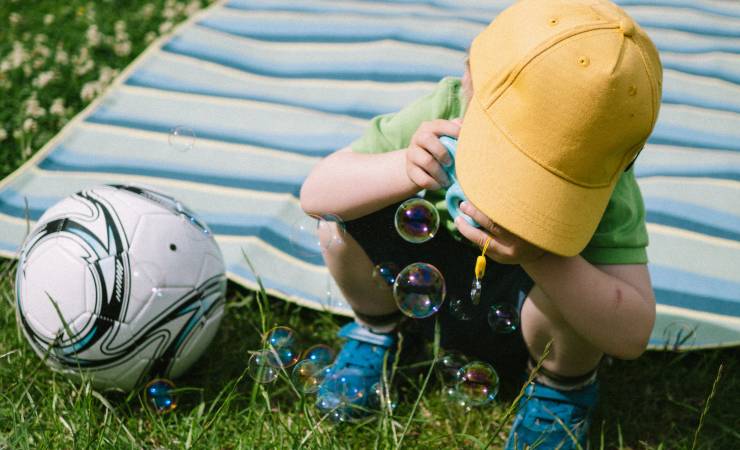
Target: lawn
(55,57)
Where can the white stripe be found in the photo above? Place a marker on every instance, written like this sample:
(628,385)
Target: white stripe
(224,101)
(654,228)
(700,316)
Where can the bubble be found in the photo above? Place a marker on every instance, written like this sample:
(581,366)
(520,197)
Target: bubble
(283,343)
(263,366)
(419,290)
(384,274)
(461,309)
(449,366)
(313,234)
(677,335)
(475,291)
(320,354)
(503,318)
(307,376)
(478,384)
(159,395)
(416,220)
(181,138)
(378,397)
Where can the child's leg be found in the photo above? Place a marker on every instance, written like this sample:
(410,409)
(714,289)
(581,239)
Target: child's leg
(352,270)
(570,355)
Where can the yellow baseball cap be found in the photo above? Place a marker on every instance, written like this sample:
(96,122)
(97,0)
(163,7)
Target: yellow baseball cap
(566,93)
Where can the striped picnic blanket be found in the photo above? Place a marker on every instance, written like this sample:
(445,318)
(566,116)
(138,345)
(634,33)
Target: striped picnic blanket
(271,86)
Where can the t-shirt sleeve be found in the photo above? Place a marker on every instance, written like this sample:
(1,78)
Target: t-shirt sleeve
(389,132)
(621,237)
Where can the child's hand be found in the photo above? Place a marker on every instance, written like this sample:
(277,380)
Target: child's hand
(505,247)
(425,155)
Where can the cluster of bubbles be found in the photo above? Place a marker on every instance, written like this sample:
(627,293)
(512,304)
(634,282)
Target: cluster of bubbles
(159,395)
(468,383)
(281,352)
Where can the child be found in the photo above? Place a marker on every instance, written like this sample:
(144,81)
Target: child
(558,98)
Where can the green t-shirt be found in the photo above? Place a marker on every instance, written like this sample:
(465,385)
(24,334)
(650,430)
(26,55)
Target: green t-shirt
(621,236)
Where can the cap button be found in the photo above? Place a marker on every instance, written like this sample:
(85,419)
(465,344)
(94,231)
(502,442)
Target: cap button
(627,27)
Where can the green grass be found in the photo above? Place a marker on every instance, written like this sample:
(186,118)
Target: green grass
(655,402)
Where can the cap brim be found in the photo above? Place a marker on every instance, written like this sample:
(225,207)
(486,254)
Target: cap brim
(519,194)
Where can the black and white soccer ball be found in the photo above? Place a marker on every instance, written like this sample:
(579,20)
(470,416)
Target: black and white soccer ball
(120,283)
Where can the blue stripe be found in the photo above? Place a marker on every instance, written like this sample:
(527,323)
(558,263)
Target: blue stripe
(692,217)
(694,284)
(341,64)
(666,296)
(172,172)
(673,220)
(722,66)
(302,145)
(654,170)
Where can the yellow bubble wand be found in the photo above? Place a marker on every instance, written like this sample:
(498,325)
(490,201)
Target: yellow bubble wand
(480,270)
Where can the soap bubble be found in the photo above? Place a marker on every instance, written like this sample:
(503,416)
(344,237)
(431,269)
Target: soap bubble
(320,354)
(461,309)
(478,384)
(419,290)
(283,343)
(263,366)
(159,395)
(416,220)
(384,274)
(314,234)
(181,138)
(449,366)
(475,291)
(677,335)
(503,318)
(307,376)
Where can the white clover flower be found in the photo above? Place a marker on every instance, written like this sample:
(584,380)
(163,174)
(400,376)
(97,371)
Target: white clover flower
(3,134)
(57,107)
(33,107)
(93,35)
(164,27)
(85,67)
(192,8)
(18,56)
(150,37)
(119,26)
(122,48)
(14,18)
(61,57)
(29,125)
(48,19)
(5,66)
(107,75)
(43,79)
(148,10)
(90,90)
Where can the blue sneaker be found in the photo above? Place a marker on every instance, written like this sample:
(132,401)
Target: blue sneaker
(347,391)
(545,412)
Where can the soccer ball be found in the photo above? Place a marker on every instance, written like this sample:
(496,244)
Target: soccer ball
(119,283)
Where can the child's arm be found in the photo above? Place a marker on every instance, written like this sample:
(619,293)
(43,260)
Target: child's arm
(352,185)
(611,306)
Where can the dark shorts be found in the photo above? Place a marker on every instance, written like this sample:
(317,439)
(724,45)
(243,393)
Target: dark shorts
(502,283)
